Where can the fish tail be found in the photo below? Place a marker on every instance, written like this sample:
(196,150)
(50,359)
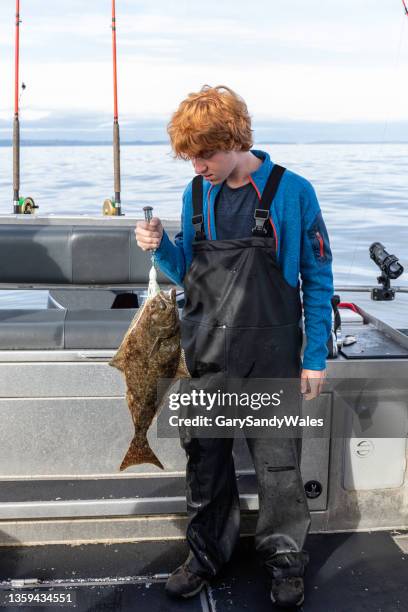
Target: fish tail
(138,454)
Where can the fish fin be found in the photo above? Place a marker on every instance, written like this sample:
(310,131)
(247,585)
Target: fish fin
(137,455)
(118,360)
(182,369)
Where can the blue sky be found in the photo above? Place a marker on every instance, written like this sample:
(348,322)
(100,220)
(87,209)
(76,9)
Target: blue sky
(330,61)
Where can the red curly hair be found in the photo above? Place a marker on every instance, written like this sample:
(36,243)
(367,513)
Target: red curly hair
(214,119)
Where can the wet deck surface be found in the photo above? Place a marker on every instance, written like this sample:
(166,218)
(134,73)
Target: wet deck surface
(363,572)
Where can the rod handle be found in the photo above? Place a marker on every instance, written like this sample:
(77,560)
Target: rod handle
(148,213)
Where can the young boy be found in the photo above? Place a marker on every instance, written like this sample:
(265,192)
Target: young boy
(249,229)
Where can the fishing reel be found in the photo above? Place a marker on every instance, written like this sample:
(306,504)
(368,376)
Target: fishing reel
(25,206)
(390,268)
(110,208)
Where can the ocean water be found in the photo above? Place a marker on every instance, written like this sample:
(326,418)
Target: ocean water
(362,190)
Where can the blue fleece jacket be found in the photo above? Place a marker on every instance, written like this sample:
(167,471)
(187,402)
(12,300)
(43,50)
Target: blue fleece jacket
(303,248)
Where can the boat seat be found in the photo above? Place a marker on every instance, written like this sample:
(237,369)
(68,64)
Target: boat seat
(72,255)
(63,329)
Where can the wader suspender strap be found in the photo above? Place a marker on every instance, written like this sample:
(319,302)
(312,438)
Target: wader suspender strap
(198,219)
(261,214)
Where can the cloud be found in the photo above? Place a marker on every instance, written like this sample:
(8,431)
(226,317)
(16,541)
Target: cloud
(29,115)
(146,89)
(303,60)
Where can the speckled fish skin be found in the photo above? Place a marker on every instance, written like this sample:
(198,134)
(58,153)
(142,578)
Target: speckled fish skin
(150,351)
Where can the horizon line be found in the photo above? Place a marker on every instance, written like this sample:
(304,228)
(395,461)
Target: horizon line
(63,142)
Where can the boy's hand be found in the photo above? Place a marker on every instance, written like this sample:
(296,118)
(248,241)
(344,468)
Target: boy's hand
(149,235)
(311,383)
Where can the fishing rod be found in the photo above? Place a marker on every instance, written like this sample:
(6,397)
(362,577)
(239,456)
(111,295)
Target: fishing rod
(20,205)
(112,206)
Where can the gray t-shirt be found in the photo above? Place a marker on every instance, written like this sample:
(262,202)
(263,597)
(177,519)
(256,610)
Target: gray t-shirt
(234,211)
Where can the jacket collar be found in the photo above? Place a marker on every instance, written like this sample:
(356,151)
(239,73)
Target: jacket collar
(260,176)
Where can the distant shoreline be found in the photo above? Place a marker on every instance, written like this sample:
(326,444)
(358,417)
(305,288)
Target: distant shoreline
(105,143)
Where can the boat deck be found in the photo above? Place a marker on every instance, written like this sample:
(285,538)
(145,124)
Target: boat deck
(362,571)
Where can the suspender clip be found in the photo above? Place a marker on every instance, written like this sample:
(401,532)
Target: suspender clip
(197,221)
(261,217)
